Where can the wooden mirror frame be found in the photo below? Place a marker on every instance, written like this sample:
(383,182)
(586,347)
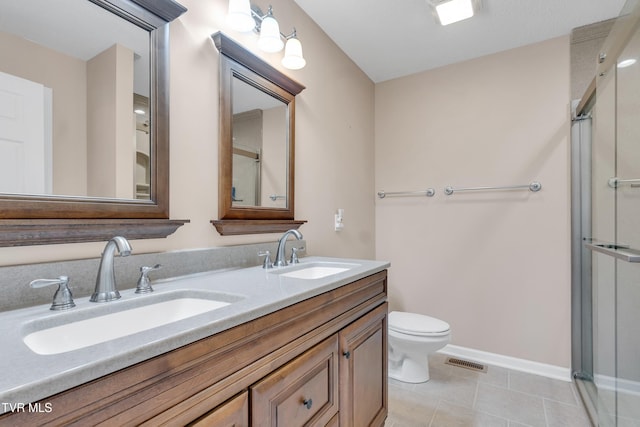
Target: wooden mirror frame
(38,219)
(237,62)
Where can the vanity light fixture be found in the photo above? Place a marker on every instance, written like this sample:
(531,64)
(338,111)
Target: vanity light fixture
(243,17)
(450,11)
(239,16)
(293,58)
(269,40)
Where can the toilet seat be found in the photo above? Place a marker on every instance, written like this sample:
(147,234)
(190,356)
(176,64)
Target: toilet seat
(417,324)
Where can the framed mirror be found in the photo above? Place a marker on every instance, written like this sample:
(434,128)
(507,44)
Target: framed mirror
(84,113)
(257,144)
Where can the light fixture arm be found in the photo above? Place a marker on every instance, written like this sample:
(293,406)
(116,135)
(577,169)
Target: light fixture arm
(258,16)
(292,35)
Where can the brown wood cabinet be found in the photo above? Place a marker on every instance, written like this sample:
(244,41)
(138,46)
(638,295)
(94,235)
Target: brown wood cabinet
(363,370)
(320,362)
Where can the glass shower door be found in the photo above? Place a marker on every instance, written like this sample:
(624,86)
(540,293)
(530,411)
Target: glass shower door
(603,321)
(615,242)
(626,186)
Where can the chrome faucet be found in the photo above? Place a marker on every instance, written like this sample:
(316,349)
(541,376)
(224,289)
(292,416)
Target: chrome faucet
(106,280)
(280,257)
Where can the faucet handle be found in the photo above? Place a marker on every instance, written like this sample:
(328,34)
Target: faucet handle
(144,283)
(62,299)
(267,263)
(294,254)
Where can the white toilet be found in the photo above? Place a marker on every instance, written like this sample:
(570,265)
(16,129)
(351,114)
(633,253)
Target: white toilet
(412,337)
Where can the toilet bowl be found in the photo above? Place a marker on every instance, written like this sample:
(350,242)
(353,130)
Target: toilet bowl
(412,337)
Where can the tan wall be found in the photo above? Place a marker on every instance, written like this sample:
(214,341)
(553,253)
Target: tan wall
(495,265)
(274,155)
(110,124)
(334,142)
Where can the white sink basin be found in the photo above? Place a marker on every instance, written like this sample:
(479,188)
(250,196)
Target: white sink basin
(315,270)
(94,330)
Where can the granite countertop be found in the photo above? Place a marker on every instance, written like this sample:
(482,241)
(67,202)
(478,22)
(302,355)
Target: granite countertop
(252,293)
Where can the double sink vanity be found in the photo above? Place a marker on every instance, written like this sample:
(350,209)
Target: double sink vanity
(304,343)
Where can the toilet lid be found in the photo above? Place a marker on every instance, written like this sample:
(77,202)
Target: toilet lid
(416,324)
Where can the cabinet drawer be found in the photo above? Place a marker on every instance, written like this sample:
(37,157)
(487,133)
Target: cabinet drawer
(304,392)
(234,413)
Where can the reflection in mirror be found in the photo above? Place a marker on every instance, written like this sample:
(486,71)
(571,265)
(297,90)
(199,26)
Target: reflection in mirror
(259,136)
(74,97)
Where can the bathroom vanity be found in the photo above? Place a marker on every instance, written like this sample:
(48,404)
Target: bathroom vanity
(299,345)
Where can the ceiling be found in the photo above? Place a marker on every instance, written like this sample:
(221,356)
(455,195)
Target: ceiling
(79,29)
(395,38)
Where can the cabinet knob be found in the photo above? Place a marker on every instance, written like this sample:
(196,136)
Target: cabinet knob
(346,354)
(307,403)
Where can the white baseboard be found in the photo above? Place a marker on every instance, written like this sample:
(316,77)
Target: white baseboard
(523,365)
(604,382)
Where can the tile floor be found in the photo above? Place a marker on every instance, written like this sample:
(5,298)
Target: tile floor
(626,403)
(500,397)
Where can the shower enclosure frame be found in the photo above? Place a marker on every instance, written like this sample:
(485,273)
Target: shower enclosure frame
(581,287)
(581,312)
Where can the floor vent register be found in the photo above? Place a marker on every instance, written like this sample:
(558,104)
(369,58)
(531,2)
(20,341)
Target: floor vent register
(461,363)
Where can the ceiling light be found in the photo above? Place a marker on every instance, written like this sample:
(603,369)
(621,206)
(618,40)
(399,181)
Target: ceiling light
(450,11)
(626,63)
(139,111)
(270,39)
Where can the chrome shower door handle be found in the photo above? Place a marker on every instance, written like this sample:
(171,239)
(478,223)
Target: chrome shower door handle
(615,182)
(619,252)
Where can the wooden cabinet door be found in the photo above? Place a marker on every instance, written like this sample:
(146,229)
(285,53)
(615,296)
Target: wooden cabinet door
(363,370)
(233,413)
(304,392)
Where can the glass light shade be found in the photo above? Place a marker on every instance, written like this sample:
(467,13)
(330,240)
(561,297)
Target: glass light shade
(239,17)
(270,40)
(454,10)
(293,59)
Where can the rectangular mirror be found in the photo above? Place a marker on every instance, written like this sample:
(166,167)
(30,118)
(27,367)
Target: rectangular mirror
(84,113)
(257,141)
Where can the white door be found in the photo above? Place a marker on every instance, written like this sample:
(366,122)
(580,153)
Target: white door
(25,136)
